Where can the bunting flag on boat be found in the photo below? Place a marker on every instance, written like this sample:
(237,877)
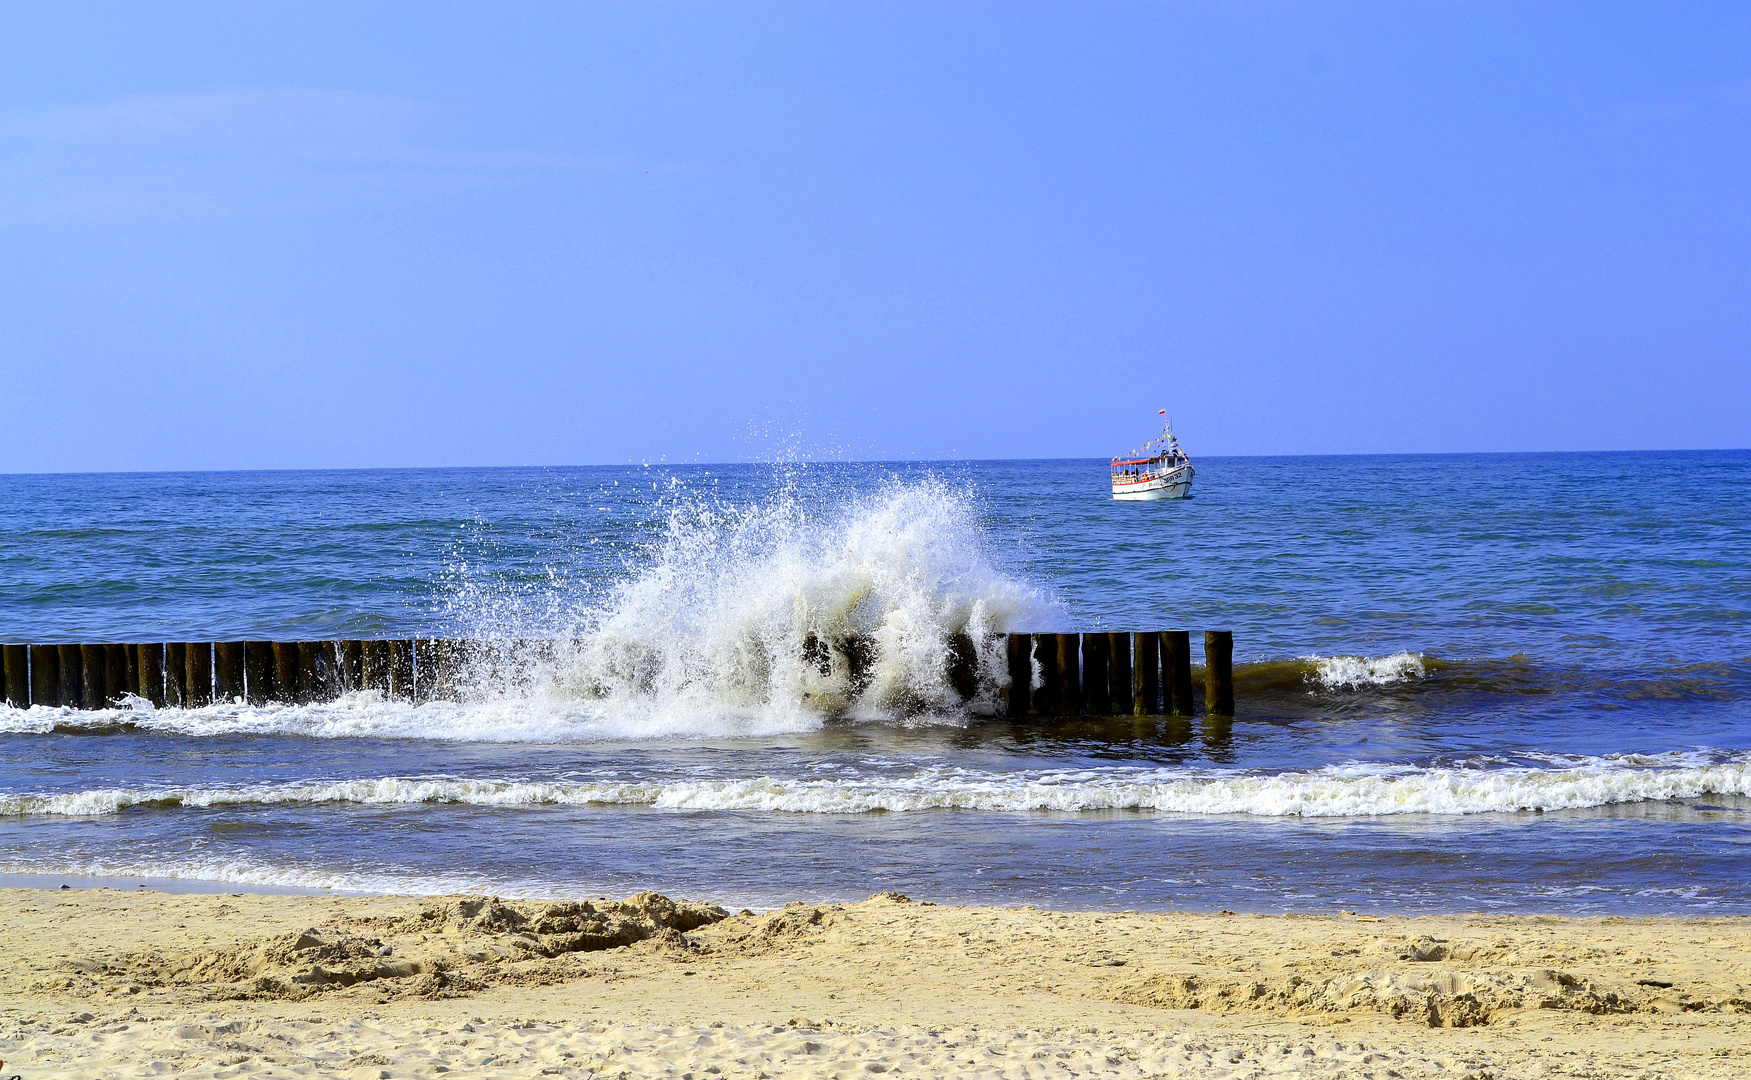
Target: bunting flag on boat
(1161,444)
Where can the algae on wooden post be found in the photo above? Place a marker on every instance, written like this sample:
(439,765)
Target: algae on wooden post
(1119,672)
(1146,673)
(1021,676)
(149,672)
(17,662)
(197,666)
(45,675)
(1097,698)
(1218,673)
(1069,674)
(1176,671)
(228,668)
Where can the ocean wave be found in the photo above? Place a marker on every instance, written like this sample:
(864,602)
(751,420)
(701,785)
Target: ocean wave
(1353,672)
(1333,792)
(777,608)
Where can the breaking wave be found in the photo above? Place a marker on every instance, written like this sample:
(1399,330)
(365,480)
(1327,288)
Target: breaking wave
(1334,792)
(1353,672)
(774,616)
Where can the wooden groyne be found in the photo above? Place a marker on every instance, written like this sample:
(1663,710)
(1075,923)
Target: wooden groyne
(1079,674)
(1116,674)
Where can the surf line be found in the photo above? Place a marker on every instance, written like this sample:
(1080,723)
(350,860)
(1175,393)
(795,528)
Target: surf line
(1046,675)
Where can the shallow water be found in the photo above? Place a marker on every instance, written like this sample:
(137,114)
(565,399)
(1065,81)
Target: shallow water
(1513,682)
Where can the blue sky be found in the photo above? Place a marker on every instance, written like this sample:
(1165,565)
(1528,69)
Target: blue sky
(314,235)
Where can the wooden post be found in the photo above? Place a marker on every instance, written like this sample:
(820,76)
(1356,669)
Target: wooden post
(859,651)
(131,664)
(1176,671)
(258,672)
(176,674)
(45,675)
(1146,674)
(376,666)
(96,689)
(287,686)
(1021,675)
(351,655)
(228,670)
(1069,674)
(1218,673)
(149,664)
(401,669)
(1097,698)
(440,664)
(17,661)
(1119,674)
(1049,700)
(197,683)
(426,662)
(307,655)
(72,673)
(117,680)
(963,666)
(318,674)
(816,655)
(452,658)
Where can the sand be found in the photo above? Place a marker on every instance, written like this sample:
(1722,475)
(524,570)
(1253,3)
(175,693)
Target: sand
(103,983)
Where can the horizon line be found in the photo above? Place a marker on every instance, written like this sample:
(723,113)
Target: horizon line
(661,463)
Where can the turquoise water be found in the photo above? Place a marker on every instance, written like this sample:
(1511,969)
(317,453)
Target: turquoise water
(1513,682)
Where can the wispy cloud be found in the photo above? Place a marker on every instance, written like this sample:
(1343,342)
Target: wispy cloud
(242,151)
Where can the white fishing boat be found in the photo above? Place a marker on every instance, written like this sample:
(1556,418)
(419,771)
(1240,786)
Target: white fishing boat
(1158,469)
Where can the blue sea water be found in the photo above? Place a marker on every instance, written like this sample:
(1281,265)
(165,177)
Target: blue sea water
(1505,682)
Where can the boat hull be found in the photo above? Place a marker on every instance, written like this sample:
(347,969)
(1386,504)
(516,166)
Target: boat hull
(1173,484)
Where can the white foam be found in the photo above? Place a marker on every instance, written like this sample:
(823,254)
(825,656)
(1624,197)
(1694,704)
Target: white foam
(540,715)
(1356,672)
(247,871)
(708,632)
(1346,791)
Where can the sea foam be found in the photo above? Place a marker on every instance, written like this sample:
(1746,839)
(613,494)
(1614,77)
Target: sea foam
(735,613)
(1359,672)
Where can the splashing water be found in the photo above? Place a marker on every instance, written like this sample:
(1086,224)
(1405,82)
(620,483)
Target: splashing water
(773,617)
(1356,672)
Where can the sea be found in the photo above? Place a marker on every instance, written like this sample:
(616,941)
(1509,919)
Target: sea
(1510,683)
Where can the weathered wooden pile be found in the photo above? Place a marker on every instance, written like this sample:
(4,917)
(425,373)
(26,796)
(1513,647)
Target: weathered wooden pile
(1118,673)
(195,673)
(1093,674)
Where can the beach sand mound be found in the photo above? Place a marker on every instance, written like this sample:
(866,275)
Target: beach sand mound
(1445,999)
(444,949)
(1440,982)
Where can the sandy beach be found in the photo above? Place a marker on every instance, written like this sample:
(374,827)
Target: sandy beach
(100,983)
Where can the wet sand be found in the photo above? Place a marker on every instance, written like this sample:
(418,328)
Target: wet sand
(101,983)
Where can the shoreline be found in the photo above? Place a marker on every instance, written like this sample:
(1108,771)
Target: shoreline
(170,886)
(135,982)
